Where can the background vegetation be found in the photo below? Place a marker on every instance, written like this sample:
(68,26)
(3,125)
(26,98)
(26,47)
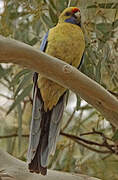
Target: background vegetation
(88,143)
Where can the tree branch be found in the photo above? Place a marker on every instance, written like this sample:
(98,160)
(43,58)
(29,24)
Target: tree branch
(13,135)
(12,51)
(14,169)
(84,142)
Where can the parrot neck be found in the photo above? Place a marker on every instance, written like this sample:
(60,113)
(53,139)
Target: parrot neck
(72,20)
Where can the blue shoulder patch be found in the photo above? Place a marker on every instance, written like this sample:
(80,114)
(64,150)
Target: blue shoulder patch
(44,42)
(72,20)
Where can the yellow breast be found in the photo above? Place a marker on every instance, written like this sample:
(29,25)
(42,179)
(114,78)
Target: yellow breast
(66,42)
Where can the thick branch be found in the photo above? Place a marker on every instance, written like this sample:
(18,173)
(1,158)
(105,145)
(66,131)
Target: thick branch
(14,169)
(58,71)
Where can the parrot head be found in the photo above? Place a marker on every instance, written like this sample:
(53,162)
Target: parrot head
(71,15)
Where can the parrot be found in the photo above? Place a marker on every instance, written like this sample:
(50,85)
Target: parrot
(66,42)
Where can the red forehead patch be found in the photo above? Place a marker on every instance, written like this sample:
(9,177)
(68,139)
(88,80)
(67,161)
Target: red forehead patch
(74,10)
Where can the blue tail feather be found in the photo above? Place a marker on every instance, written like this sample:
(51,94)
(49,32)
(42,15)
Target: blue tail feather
(45,128)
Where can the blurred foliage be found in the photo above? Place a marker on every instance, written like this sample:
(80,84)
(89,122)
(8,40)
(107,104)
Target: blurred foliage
(27,21)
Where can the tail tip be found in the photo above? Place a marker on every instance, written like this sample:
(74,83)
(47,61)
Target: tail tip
(38,170)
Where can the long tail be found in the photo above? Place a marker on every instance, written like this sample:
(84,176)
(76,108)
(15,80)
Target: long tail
(45,127)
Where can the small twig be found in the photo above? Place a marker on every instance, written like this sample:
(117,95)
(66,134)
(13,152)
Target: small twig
(13,135)
(81,139)
(3,174)
(95,132)
(69,120)
(78,140)
(83,144)
(93,149)
(105,157)
(84,141)
(69,3)
(7,97)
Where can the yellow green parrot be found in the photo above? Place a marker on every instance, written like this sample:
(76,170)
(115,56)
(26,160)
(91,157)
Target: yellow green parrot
(66,42)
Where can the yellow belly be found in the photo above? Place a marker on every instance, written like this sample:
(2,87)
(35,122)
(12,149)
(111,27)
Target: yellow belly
(66,42)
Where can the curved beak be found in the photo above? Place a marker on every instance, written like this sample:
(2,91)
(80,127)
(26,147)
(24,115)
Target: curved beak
(77,15)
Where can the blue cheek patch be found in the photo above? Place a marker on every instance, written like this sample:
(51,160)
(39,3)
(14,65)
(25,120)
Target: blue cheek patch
(72,20)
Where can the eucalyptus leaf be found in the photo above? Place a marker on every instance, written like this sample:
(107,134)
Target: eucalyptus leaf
(104,27)
(67,96)
(33,41)
(20,97)
(17,77)
(62,4)
(53,16)
(98,72)
(115,23)
(115,136)
(19,109)
(47,20)
(51,3)
(74,3)
(4,72)
(78,102)
(104,5)
(23,83)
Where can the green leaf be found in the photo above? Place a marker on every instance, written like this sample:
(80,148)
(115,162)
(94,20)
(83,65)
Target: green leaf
(88,118)
(115,136)
(104,27)
(37,27)
(74,3)
(47,21)
(115,23)
(67,96)
(4,71)
(98,72)
(51,3)
(33,41)
(104,5)
(53,16)
(20,98)
(19,109)
(78,102)
(17,77)
(23,83)
(62,5)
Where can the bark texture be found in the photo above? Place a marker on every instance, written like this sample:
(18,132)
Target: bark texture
(14,169)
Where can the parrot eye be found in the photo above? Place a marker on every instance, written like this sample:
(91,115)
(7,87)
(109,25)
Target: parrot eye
(68,13)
